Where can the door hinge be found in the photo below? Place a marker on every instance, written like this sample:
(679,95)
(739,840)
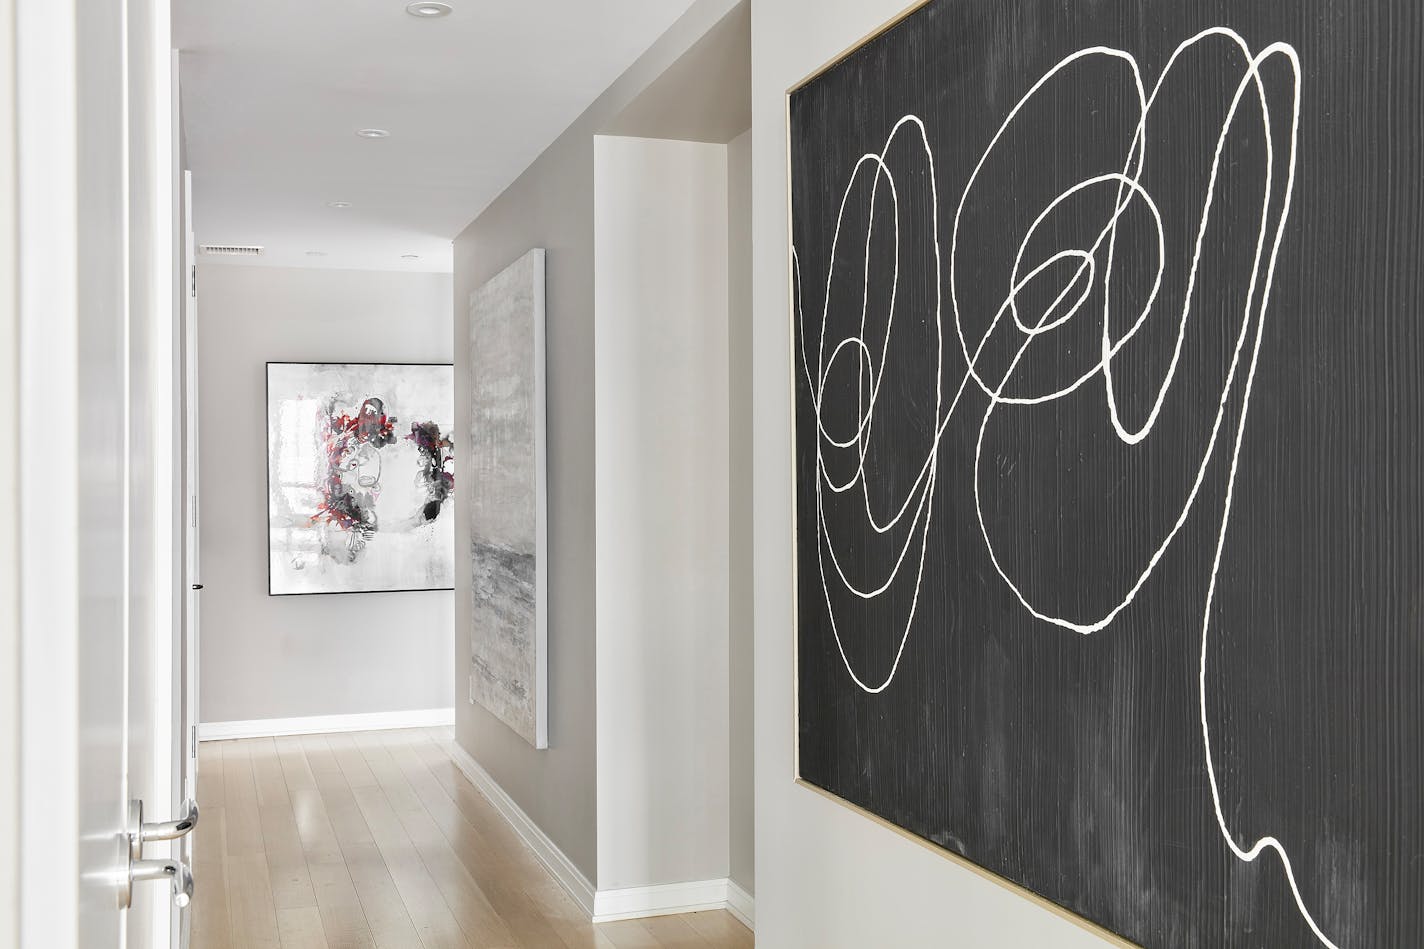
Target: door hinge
(193,745)
(193,271)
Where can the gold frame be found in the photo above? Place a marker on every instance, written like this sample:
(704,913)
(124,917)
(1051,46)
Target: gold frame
(1037,899)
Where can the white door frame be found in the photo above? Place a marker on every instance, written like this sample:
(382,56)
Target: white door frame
(154,292)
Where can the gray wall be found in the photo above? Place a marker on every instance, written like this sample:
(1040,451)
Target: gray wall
(551,206)
(827,877)
(741,618)
(281,657)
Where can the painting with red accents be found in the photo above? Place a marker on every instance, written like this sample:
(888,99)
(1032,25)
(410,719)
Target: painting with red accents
(360,477)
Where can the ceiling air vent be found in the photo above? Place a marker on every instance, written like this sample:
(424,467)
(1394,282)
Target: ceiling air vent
(232,250)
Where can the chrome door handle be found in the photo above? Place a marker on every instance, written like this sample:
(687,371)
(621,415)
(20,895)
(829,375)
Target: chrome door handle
(170,829)
(170,869)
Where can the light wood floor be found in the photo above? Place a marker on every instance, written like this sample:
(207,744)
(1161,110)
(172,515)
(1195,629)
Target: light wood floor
(377,841)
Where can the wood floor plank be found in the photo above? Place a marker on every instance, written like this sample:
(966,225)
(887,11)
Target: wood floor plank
(674,932)
(318,837)
(343,917)
(721,928)
(345,815)
(378,841)
(296,770)
(210,836)
(212,926)
(351,761)
(482,923)
(287,866)
(527,925)
(244,825)
(250,909)
(629,934)
(423,899)
(267,776)
(300,928)
(324,766)
(385,911)
(567,918)
(210,774)
(282,842)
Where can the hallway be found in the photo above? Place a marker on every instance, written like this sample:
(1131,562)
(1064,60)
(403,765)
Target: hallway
(376,839)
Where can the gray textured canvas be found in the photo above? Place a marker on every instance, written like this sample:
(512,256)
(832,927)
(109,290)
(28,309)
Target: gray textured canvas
(507,529)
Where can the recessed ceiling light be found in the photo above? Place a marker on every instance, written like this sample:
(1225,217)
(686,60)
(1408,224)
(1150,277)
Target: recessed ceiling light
(373,133)
(338,204)
(428,9)
(316,253)
(410,256)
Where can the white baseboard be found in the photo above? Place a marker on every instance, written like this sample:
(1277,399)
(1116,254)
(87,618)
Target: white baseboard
(664,899)
(604,906)
(320,724)
(741,904)
(569,876)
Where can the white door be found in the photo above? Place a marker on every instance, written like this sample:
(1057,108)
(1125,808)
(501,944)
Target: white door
(98,523)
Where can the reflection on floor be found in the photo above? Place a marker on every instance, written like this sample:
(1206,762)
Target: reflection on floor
(376,841)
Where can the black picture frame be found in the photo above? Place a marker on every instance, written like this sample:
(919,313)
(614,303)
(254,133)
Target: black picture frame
(267,392)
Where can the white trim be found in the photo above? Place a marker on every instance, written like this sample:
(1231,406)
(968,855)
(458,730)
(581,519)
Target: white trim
(554,860)
(664,899)
(46,124)
(541,508)
(742,905)
(323,724)
(604,906)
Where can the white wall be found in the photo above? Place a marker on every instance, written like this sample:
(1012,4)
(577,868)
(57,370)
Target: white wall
(827,877)
(660,354)
(9,492)
(742,616)
(281,657)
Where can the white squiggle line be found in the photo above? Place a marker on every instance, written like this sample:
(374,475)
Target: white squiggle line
(1264,843)
(1106,363)
(924,485)
(1129,189)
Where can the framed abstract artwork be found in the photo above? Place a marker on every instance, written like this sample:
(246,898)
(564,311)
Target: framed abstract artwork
(508,509)
(1107,351)
(360,477)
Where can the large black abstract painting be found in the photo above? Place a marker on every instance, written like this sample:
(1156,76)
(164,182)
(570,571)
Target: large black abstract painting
(1109,407)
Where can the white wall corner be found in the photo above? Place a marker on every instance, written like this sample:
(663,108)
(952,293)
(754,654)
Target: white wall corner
(742,905)
(325,724)
(605,906)
(554,860)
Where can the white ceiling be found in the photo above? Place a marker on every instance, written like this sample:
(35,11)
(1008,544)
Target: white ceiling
(274,91)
